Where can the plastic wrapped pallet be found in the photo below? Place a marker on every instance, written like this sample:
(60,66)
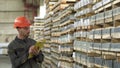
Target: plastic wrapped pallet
(115,47)
(97,46)
(116,64)
(115,32)
(76,65)
(93,19)
(77,45)
(99,61)
(83,34)
(83,59)
(97,33)
(108,63)
(116,11)
(99,16)
(77,57)
(105,46)
(106,33)
(77,5)
(90,62)
(109,14)
(91,34)
(97,5)
(106,1)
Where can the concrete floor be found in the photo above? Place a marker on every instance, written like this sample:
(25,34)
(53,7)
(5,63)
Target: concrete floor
(4,62)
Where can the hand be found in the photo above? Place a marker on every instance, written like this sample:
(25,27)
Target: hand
(33,50)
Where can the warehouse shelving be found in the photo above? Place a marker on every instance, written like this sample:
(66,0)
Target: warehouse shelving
(59,52)
(47,45)
(86,37)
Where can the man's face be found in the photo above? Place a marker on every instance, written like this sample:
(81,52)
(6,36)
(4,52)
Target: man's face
(24,31)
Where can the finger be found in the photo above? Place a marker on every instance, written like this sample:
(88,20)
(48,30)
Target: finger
(35,51)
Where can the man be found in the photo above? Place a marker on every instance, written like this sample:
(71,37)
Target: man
(20,48)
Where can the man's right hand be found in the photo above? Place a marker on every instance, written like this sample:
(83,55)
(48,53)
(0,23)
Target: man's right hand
(33,50)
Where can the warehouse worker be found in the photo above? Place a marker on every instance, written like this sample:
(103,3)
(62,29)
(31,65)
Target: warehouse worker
(20,48)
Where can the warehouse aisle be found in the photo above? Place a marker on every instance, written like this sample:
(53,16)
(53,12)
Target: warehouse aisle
(5,62)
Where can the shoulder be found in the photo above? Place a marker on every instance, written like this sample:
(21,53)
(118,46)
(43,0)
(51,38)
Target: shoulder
(31,40)
(11,44)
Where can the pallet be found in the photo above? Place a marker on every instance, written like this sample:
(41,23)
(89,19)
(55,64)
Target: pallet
(96,26)
(106,36)
(67,1)
(84,27)
(86,15)
(66,59)
(56,19)
(47,45)
(91,37)
(56,34)
(106,40)
(68,42)
(93,54)
(97,36)
(117,20)
(108,24)
(60,7)
(109,20)
(107,6)
(97,66)
(65,13)
(116,35)
(66,23)
(78,28)
(108,55)
(67,31)
(89,65)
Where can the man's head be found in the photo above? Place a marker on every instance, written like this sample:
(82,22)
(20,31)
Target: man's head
(22,24)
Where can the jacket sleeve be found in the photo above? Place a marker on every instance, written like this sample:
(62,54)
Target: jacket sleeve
(40,57)
(16,60)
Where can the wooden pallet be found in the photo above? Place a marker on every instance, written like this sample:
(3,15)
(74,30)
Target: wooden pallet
(60,7)
(97,36)
(108,25)
(67,31)
(116,40)
(78,28)
(96,26)
(118,57)
(47,45)
(109,20)
(56,34)
(67,1)
(56,19)
(117,20)
(113,3)
(90,27)
(66,23)
(65,13)
(69,42)
(97,66)
(108,55)
(116,35)
(89,65)
(86,15)
(93,54)
(106,36)
(66,59)
(84,27)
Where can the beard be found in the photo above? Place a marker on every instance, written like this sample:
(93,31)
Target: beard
(25,35)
